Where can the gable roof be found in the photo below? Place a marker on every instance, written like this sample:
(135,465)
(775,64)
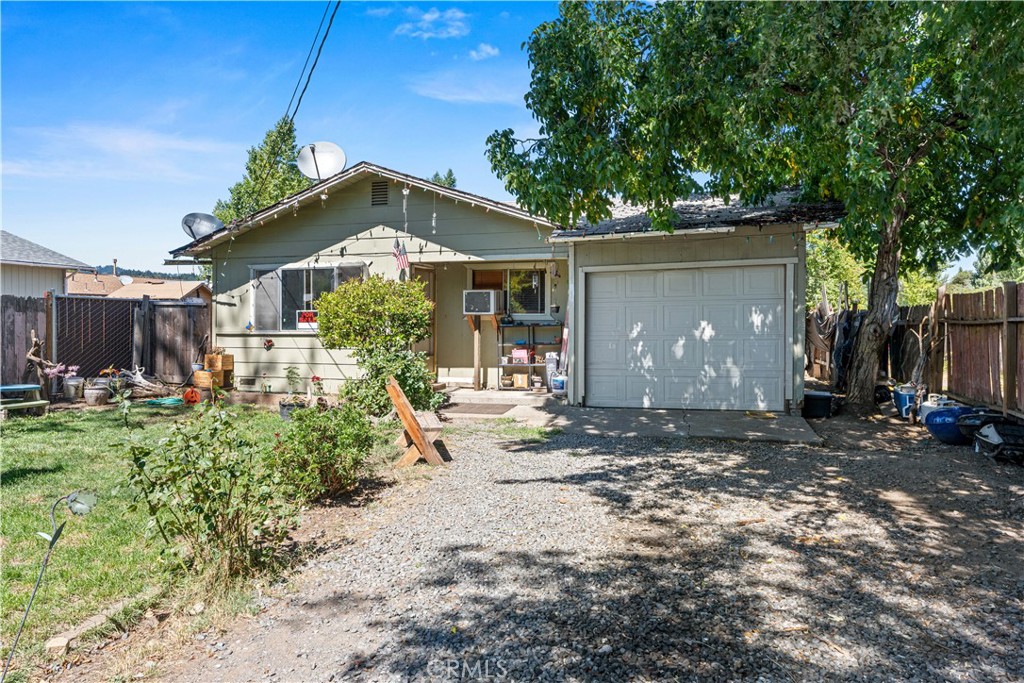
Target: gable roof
(348,177)
(93,284)
(708,213)
(22,252)
(160,289)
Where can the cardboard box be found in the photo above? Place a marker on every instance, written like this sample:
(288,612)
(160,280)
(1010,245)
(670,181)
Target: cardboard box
(520,381)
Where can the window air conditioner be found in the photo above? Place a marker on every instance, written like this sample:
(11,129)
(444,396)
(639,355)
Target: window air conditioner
(481,301)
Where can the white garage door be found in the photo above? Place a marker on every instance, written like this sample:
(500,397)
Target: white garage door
(701,338)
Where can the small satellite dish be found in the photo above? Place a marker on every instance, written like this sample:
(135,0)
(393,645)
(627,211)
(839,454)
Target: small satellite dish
(126,279)
(198,225)
(321,160)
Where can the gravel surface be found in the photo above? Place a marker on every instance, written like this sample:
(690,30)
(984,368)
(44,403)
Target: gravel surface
(584,559)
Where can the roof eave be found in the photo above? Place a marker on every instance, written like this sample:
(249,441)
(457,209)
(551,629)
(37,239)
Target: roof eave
(312,193)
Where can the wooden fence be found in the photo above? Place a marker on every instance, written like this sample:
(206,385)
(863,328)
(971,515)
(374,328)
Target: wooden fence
(983,350)
(20,315)
(171,334)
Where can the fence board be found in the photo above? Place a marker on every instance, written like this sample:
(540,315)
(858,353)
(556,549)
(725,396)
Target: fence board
(20,315)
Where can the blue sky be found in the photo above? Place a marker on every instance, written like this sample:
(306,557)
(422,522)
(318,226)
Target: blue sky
(120,118)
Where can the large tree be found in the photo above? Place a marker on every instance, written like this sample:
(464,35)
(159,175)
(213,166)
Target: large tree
(270,175)
(910,114)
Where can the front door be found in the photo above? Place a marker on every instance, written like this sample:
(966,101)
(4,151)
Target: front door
(425,274)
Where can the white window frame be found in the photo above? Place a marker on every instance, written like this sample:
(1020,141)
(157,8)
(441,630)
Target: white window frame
(278,269)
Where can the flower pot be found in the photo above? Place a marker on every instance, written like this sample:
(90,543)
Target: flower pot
(74,388)
(97,396)
(285,410)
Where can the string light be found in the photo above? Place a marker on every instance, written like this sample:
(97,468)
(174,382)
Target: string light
(433,218)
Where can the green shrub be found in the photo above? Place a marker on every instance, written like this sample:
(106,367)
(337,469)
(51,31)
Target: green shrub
(210,494)
(379,320)
(324,450)
(409,369)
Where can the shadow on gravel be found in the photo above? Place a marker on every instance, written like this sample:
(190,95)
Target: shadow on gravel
(829,565)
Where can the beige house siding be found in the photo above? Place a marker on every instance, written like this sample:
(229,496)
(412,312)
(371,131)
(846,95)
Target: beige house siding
(346,229)
(30,281)
(776,243)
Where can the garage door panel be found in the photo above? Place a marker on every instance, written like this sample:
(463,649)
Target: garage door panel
(700,338)
(606,319)
(645,285)
(682,353)
(762,319)
(764,282)
(762,393)
(604,287)
(642,392)
(681,283)
(722,319)
(643,356)
(766,354)
(720,282)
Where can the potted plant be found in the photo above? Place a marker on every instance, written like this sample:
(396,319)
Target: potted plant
(96,394)
(59,375)
(291,401)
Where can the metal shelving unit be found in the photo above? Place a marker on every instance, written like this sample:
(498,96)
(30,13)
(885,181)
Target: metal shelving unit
(537,339)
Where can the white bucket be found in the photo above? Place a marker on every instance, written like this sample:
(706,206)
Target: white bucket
(558,385)
(74,387)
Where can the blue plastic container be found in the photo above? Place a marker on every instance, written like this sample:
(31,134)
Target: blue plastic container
(903,396)
(941,423)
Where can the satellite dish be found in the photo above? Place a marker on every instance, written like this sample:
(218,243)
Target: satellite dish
(126,279)
(321,160)
(198,225)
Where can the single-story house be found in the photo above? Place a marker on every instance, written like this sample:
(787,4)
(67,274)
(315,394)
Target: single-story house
(30,270)
(710,316)
(121,287)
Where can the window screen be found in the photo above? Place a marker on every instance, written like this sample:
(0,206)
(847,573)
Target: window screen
(299,289)
(266,294)
(526,291)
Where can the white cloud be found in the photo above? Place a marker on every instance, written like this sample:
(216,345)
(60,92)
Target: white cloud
(115,152)
(451,23)
(484,51)
(380,11)
(477,86)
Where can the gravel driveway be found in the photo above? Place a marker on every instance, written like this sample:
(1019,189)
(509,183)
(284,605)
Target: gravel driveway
(586,558)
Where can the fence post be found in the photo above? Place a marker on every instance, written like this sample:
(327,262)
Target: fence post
(137,337)
(1010,347)
(51,326)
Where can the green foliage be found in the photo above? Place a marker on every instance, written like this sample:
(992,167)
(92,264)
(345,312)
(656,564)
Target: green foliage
(447,180)
(323,451)
(210,494)
(270,175)
(831,264)
(293,378)
(380,320)
(409,368)
(910,114)
(374,313)
(918,287)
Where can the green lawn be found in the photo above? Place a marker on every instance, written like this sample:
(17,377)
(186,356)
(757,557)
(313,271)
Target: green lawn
(101,557)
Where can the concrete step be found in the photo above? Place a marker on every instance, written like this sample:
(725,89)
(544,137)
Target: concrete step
(519,398)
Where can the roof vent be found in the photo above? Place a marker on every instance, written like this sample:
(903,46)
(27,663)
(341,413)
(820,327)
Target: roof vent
(379,193)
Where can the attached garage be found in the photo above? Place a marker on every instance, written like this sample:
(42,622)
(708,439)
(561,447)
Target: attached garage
(710,317)
(700,338)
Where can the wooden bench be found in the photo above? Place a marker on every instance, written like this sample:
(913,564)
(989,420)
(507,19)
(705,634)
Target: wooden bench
(420,429)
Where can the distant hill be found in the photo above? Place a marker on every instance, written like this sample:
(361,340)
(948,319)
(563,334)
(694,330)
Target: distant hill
(109,270)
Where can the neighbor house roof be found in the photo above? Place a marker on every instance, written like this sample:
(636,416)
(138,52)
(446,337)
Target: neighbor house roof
(161,289)
(93,284)
(708,213)
(20,251)
(348,177)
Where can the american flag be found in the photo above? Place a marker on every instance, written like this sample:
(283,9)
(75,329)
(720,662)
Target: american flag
(401,257)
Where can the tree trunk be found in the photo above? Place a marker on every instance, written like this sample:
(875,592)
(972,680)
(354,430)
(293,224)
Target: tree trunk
(882,311)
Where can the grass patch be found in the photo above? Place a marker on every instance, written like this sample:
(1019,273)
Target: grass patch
(101,557)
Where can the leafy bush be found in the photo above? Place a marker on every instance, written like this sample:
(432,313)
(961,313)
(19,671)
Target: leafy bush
(379,320)
(210,494)
(409,368)
(324,450)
